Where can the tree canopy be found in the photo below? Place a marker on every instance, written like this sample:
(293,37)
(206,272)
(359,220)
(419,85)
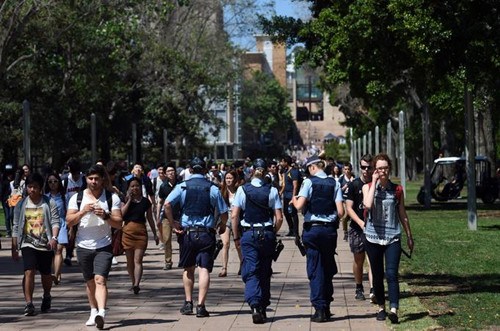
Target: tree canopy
(380,57)
(159,64)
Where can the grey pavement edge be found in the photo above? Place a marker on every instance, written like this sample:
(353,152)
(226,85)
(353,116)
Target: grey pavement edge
(157,306)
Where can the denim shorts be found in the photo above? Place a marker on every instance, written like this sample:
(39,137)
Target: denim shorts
(34,259)
(95,261)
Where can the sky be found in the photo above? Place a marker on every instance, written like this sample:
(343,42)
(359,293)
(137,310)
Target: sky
(291,8)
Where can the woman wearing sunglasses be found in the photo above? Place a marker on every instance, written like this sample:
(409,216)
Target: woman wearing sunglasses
(55,190)
(384,201)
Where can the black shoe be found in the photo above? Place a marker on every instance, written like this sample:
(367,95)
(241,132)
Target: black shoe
(29,310)
(187,309)
(168,266)
(319,316)
(290,234)
(381,315)
(360,295)
(136,289)
(257,316)
(67,261)
(393,317)
(46,304)
(328,313)
(99,322)
(201,311)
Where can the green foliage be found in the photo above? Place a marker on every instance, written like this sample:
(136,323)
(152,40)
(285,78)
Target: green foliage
(400,51)
(264,109)
(337,151)
(159,64)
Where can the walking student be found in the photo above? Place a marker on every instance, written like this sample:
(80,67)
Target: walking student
(199,200)
(55,190)
(320,197)
(260,203)
(136,211)
(163,225)
(35,231)
(384,201)
(95,211)
(355,209)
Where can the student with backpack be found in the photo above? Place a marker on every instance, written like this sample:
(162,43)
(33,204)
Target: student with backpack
(94,219)
(385,211)
(72,183)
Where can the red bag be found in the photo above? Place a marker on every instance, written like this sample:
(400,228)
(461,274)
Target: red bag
(116,242)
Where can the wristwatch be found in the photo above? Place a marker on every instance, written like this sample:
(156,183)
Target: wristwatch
(54,238)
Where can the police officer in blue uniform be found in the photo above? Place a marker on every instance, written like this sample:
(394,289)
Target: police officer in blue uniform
(199,200)
(260,203)
(321,199)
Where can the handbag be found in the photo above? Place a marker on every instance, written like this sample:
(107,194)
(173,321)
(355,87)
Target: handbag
(14,199)
(116,242)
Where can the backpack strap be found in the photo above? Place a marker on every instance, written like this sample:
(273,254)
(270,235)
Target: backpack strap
(79,198)
(109,199)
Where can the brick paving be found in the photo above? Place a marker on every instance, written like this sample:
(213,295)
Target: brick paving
(157,305)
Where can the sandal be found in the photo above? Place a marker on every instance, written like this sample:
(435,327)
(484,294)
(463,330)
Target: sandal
(56,279)
(223,273)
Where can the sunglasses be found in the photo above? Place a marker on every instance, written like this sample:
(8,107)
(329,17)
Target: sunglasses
(52,181)
(366,168)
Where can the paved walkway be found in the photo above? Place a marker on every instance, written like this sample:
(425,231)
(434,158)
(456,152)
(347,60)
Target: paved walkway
(157,305)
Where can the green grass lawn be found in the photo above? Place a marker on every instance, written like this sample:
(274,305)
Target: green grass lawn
(453,277)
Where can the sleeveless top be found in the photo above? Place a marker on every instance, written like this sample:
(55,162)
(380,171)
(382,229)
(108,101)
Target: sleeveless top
(382,225)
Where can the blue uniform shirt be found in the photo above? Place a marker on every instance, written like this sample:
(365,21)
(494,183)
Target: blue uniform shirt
(178,195)
(306,191)
(240,200)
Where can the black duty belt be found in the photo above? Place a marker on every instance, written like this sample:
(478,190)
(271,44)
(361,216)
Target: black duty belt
(199,229)
(257,228)
(319,223)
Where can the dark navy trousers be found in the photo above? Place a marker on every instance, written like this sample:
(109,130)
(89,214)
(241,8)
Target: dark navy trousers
(321,242)
(257,248)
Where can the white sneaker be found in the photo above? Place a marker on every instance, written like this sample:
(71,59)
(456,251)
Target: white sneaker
(91,320)
(161,247)
(114,261)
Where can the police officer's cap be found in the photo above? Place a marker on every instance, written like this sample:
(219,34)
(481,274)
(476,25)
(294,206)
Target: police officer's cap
(259,163)
(313,160)
(197,163)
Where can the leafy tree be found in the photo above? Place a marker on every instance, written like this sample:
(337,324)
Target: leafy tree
(394,51)
(265,114)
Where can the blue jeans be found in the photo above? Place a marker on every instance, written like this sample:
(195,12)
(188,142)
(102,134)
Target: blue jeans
(257,248)
(321,242)
(392,254)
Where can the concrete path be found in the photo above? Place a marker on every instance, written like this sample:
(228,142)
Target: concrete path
(157,305)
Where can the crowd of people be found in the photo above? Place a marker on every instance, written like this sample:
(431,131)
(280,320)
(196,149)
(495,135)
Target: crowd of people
(247,201)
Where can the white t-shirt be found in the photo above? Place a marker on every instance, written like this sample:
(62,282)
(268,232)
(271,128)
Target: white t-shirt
(93,231)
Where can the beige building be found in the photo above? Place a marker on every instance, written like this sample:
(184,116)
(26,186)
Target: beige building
(315,118)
